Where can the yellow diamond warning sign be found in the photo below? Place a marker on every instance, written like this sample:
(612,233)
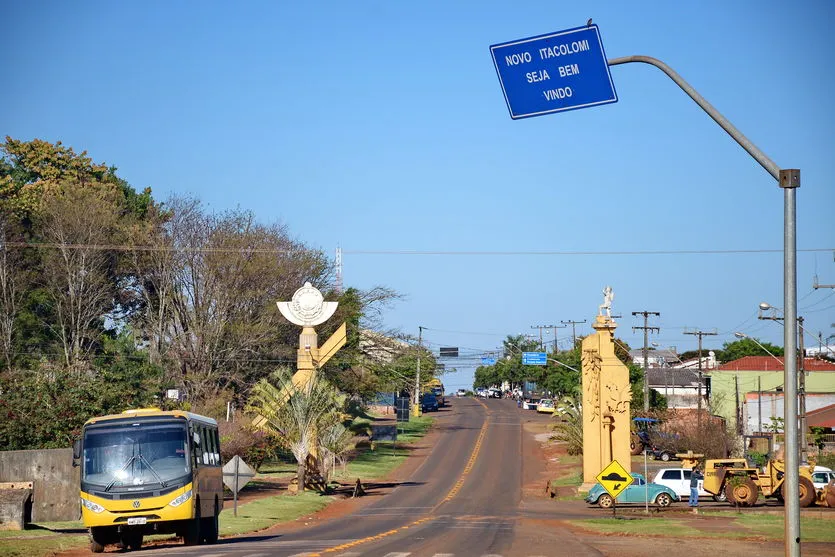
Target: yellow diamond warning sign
(614,479)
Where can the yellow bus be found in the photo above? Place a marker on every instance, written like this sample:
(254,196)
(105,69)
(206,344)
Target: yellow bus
(149,471)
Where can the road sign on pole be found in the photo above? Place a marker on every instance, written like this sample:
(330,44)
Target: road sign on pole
(614,479)
(550,73)
(534,358)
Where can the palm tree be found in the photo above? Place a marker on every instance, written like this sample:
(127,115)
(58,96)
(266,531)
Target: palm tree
(296,413)
(569,428)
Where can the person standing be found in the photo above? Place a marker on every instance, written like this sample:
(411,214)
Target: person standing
(695,476)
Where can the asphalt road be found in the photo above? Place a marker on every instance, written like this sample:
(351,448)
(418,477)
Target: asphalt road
(463,500)
(466,499)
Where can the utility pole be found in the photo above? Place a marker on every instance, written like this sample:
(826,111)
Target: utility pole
(417,380)
(646,330)
(801,391)
(801,375)
(699,402)
(573,331)
(540,327)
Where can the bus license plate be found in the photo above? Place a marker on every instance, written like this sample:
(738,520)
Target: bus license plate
(137,520)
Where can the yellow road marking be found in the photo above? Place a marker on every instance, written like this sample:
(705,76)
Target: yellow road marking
(449,497)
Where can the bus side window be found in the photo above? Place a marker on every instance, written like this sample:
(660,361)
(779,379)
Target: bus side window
(207,448)
(197,443)
(210,446)
(216,436)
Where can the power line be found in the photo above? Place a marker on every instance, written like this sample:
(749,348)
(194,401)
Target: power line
(127,247)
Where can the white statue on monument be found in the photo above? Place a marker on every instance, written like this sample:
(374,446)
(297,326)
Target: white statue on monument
(608,296)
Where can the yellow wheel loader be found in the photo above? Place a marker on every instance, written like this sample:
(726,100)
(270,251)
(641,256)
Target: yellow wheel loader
(743,484)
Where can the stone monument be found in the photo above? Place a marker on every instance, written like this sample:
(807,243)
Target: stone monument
(606,397)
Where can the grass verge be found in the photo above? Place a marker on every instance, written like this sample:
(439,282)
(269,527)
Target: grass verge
(745,526)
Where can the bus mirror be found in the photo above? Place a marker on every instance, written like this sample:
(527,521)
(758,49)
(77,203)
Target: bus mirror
(76,451)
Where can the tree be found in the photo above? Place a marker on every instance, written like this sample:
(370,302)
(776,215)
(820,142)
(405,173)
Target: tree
(746,347)
(74,211)
(296,413)
(77,271)
(14,282)
(210,291)
(569,426)
(31,169)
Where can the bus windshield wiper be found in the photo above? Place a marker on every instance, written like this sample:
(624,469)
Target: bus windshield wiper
(130,461)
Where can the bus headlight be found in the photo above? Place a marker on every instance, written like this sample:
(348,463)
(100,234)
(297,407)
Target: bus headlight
(181,499)
(90,506)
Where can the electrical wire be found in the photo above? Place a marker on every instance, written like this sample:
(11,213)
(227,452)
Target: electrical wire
(127,247)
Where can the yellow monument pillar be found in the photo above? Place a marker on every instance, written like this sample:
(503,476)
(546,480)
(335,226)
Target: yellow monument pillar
(606,398)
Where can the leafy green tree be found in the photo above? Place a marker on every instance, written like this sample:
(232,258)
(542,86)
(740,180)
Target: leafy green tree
(296,414)
(46,409)
(53,198)
(746,347)
(569,425)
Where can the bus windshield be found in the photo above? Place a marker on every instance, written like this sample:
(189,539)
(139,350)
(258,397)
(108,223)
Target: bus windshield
(135,454)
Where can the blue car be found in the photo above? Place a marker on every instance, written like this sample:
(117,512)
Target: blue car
(637,492)
(428,403)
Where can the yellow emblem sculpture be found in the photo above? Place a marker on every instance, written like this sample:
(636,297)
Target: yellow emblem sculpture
(606,397)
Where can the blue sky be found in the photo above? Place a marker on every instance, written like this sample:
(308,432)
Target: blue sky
(381,128)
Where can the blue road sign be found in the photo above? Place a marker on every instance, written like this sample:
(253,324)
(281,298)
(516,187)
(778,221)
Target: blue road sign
(534,358)
(488,361)
(555,72)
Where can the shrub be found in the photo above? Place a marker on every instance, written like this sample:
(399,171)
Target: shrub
(240,438)
(826,459)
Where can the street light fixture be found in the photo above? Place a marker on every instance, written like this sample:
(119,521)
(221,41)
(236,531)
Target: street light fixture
(743,335)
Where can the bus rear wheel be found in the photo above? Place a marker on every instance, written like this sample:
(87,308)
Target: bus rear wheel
(209,527)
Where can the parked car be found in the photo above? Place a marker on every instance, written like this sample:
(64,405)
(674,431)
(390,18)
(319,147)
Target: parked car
(428,403)
(822,476)
(528,404)
(664,455)
(545,406)
(678,479)
(481,392)
(494,393)
(637,492)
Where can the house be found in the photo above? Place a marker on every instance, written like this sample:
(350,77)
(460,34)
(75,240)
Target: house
(749,391)
(678,385)
(677,379)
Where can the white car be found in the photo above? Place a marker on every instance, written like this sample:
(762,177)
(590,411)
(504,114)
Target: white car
(822,476)
(678,479)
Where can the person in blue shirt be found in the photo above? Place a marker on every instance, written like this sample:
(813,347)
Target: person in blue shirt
(695,476)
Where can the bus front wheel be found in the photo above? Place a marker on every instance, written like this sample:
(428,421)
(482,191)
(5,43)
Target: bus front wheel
(99,537)
(192,533)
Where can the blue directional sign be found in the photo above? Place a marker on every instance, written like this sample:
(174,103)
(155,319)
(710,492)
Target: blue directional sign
(488,361)
(534,358)
(560,71)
